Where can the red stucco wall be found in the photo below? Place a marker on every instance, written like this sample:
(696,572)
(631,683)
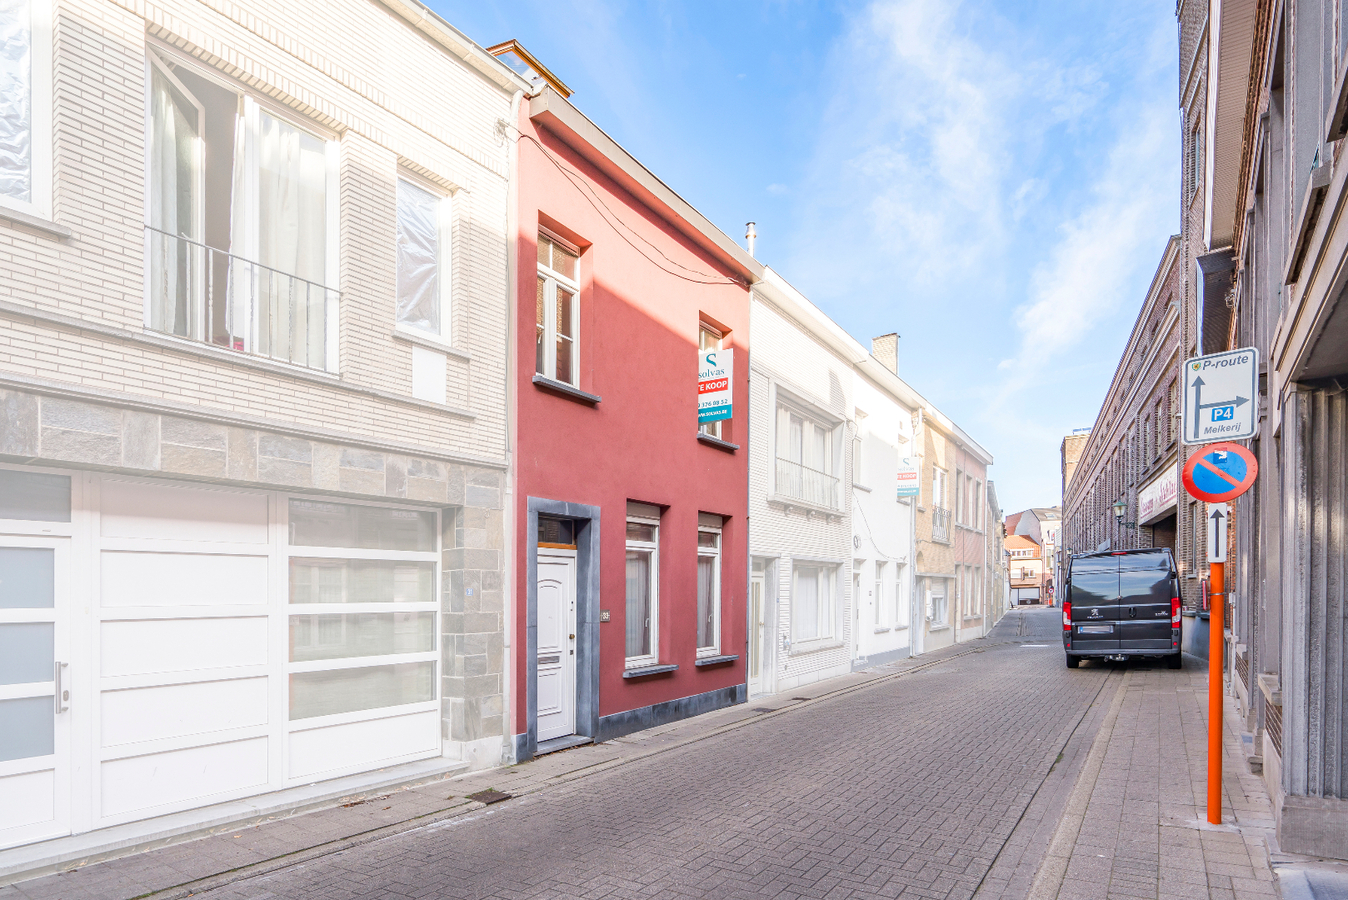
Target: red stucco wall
(638,351)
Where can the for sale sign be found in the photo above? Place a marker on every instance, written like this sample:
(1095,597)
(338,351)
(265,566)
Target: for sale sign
(715,379)
(908,476)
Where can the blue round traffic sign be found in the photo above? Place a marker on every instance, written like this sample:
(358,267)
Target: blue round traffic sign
(1221,472)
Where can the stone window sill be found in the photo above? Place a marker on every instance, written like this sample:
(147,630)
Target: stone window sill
(881,629)
(643,671)
(716,660)
(814,646)
(430,342)
(565,390)
(936,628)
(712,440)
(36,223)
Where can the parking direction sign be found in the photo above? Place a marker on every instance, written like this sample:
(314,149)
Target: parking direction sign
(1219,520)
(1220,472)
(1220,392)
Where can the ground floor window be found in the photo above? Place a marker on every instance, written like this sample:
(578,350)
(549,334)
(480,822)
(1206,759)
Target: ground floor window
(708,585)
(812,601)
(643,596)
(937,606)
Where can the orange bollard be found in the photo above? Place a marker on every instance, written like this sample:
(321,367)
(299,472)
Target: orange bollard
(1216,647)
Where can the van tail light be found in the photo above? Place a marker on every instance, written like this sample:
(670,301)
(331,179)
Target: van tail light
(1067,615)
(1174,612)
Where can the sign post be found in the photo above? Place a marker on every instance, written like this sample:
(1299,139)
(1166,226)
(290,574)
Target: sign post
(1217,473)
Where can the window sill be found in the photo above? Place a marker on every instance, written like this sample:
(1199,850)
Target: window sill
(935,628)
(36,223)
(793,503)
(643,671)
(712,440)
(715,660)
(430,342)
(561,389)
(882,629)
(814,646)
(860,487)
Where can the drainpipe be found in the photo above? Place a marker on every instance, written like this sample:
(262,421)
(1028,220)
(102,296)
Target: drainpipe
(508,505)
(917,618)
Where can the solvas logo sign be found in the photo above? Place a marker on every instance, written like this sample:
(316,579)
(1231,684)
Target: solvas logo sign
(715,378)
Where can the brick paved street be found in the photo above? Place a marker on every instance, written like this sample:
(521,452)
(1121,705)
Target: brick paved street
(907,788)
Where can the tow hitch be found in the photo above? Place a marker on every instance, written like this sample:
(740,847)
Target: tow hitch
(1117,657)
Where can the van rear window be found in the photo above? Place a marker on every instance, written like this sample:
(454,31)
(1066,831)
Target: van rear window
(1157,560)
(1085,564)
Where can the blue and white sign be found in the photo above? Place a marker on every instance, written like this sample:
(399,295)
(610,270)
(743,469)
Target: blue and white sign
(715,381)
(908,481)
(1221,396)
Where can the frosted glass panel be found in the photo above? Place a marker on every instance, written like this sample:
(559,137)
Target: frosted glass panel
(348,690)
(27,652)
(360,634)
(360,581)
(27,728)
(16,99)
(317,524)
(418,257)
(34,497)
(27,578)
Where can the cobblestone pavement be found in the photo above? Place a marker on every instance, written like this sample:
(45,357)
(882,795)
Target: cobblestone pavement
(907,788)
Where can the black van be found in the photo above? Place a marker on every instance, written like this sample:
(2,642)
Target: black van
(1120,604)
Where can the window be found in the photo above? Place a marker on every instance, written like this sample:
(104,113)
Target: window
(858,476)
(708,585)
(812,602)
(938,607)
(423,259)
(1195,159)
(643,595)
(1173,418)
(977,518)
(882,607)
(25,107)
(362,608)
(556,354)
(241,230)
(938,489)
(898,613)
(709,338)
(805,459)
(1160,430)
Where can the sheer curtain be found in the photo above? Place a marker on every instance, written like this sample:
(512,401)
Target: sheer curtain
(638,603)
(418,257)
(173,185)
(291,205)
(16,99)
(706,597)
(807,603)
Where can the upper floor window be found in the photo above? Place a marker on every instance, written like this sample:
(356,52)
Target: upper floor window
(805,458)
(710,338)
(25,106)
(939,490)
(556,354)
(423,258)
(241,229)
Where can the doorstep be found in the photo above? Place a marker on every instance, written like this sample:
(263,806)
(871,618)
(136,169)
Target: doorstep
(565,742)
(57,854)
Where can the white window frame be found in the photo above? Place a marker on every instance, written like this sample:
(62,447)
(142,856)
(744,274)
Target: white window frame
(444,269)
(255,103)
(827,575)
(810,418)
(40,125)
(940,487)
(553,279)
(652,658)
(899,609)
(291,551)
(882,609)
(710,428)
(715,553)
(943,619)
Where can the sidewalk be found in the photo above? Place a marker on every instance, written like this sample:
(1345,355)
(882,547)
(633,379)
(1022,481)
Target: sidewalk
(195,863)
(1135,823)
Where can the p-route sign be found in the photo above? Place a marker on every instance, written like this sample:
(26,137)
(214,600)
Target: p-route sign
(1220,392)
(1219,473)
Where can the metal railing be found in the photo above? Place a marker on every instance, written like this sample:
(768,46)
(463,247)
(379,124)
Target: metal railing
(810,485)
(940,525)
(211,296)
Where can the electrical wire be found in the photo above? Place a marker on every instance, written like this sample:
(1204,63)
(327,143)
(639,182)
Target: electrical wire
(614,222)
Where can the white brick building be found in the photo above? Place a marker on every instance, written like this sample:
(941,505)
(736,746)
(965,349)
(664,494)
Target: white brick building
(253,338)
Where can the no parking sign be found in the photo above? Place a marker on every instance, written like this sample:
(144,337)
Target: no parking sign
(1220,472)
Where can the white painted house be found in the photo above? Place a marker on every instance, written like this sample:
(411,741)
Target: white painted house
(252,411)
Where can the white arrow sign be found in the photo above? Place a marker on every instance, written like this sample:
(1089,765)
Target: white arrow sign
(1220,396)
(1219,520)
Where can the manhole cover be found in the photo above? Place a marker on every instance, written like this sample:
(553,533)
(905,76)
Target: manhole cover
(489,797)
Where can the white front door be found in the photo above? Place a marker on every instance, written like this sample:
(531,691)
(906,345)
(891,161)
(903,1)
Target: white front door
(757,631)
(556,646)
(34,690)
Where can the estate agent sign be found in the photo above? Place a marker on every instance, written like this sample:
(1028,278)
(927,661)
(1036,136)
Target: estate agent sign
(907,476)
(715,378)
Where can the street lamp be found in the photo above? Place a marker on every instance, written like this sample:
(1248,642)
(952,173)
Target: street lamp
(1120,510)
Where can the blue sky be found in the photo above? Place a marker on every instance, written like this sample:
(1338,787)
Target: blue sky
(995,181)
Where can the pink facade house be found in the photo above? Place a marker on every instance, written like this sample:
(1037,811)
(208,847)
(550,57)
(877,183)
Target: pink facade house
(629,517)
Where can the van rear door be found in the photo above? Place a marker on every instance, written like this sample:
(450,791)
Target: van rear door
(1144,602)
(1095,592)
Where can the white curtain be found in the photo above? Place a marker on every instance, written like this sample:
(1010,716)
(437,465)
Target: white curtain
(706,599)
(806,612)
(638,603)
(16,99)
(173,177)
(291,204)
(418,258)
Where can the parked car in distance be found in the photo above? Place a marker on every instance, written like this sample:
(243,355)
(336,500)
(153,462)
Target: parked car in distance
(1122,604)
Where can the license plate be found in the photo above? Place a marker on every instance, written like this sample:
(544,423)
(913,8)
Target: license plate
(1095,629)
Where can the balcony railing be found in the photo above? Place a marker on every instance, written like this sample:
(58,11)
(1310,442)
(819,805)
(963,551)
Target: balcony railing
(208,295)
(940,525)
(810,485)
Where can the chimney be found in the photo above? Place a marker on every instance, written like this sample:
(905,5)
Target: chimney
(750,235)
(885,348)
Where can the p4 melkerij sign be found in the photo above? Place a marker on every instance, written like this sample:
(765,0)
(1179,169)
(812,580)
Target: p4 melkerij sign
(1221,394)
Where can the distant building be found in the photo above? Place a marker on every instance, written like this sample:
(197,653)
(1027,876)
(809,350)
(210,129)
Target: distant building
(1043,525)
(1025,564)
(1072,445)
